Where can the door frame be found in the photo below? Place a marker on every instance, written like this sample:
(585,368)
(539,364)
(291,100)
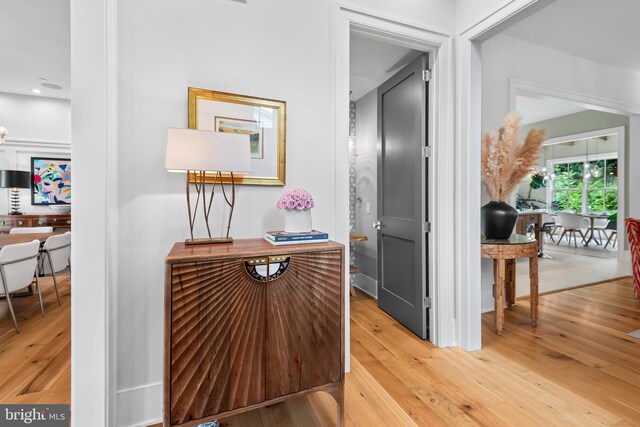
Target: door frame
(94,242)
(469,130)
(439,45)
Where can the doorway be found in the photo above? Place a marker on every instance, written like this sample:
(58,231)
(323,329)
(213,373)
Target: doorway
(388,178)
(440,206)
(35,161)
(582,167)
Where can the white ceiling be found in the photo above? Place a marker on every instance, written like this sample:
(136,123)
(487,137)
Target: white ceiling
(35,42)
(373,62)
(602,31)
(535,110)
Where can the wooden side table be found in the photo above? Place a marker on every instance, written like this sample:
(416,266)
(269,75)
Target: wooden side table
(504,254)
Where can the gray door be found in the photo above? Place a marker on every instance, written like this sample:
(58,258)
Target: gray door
(402,186)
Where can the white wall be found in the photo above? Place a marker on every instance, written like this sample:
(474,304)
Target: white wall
(505,58)
(35,118)
(255,49)
(366,190)
(37,126)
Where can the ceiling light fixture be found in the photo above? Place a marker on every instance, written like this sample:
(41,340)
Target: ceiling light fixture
(37,91)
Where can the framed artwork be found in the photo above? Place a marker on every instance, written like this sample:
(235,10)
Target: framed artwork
(50,181)
(264,120)
(243,126)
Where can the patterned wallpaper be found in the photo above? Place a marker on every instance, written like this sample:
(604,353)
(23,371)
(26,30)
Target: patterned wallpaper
(352,174)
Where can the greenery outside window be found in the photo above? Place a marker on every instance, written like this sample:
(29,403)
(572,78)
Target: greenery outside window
(572,191)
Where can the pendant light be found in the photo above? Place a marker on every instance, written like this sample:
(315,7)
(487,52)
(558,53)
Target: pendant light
(545,172)
(553,175)
(595,172)
(587,166)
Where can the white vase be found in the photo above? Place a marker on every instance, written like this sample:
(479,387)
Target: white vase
(296,221)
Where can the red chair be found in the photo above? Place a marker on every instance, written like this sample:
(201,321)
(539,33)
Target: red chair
(633,231)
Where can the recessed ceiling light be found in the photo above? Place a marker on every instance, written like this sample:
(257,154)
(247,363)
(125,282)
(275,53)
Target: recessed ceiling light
(52,86)
(36,91)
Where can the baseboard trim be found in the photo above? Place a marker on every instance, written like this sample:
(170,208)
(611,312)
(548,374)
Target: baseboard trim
(599,282)
(139,406)
(366,284)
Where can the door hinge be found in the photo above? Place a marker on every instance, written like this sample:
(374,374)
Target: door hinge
(426,151)
(427,302)
(426,75)
(426,227)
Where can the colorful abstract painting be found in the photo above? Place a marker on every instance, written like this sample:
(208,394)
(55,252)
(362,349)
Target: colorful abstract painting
(51,181)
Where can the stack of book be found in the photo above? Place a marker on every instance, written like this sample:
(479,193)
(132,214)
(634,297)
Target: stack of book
(280,238)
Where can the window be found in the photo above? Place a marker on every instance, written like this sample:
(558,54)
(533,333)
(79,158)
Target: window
(572,191)
(602,193)
(568,186)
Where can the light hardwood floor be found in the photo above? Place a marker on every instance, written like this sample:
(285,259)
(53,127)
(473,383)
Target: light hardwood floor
(35,365)
(578,368)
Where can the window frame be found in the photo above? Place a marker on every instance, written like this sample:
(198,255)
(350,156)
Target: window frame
(551,165)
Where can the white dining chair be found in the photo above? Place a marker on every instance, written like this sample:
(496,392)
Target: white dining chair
(18,264)
(571,224)
(30,230)
(56,253)
(599,225)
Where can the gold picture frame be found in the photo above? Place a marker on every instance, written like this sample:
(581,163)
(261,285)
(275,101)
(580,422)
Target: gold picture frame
(263,119)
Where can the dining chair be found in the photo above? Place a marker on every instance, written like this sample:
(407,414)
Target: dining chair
(571,224)
(633,232)
(549,226)
(30,230)
(613,228)
(17,269)
(57,251)
(599,225)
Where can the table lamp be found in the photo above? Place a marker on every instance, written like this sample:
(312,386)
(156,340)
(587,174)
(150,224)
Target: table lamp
(196,152)
(15,180)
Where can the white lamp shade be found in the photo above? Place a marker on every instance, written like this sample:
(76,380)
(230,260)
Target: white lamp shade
(200,150)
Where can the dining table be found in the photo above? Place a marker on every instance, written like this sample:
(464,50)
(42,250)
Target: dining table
(12,239)
(592,219)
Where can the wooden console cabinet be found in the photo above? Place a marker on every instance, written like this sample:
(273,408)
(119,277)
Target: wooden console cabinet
(7,222)
(249,324)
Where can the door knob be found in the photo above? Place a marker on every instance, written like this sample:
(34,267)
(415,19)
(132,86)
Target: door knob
(376,225)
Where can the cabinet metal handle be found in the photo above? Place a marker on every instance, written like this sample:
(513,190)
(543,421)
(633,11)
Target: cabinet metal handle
(39,222)
(268,268)
(20,222)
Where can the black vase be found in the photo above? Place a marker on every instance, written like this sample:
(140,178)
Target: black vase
(498,220)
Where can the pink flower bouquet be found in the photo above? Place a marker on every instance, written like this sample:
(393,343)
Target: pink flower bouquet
(296,199)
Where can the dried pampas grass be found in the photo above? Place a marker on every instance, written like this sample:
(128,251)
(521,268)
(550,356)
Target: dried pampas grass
(504,161)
